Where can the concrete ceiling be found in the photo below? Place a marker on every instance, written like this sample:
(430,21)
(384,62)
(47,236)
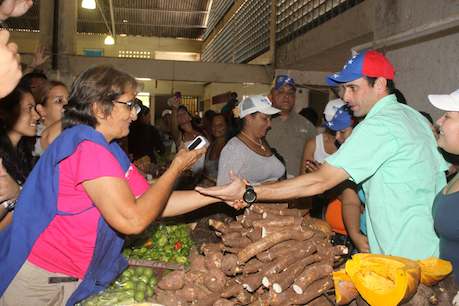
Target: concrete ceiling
(160,18)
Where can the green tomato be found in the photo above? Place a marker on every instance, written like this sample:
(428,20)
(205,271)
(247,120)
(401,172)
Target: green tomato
(127,273)
(149,292)
(148,273)
(140,286)
(139,271)
(139,296)
(162,241)
(181,259)
(144,278)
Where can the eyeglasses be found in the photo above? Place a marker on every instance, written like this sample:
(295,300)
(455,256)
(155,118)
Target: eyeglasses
(131,105)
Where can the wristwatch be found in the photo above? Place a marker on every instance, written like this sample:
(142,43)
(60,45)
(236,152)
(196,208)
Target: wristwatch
(250,196)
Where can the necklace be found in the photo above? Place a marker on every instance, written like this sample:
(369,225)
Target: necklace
(260,144)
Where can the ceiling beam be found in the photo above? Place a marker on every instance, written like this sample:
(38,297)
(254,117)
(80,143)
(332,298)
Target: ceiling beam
(177,70)
(185,26)
(158,10)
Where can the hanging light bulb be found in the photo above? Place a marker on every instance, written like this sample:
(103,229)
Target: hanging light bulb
(109,40)
(88,4)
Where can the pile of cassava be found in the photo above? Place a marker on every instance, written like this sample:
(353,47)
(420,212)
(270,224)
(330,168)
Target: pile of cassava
(270,255)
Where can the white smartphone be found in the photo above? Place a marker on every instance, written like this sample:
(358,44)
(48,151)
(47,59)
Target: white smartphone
(197,143)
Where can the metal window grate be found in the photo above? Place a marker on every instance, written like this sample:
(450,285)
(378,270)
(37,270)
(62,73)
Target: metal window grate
(252,30)
(244,36)
(217,12)
(221,48)
(295,17)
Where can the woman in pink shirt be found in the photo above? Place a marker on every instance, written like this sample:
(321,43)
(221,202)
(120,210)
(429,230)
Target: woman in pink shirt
(92,185)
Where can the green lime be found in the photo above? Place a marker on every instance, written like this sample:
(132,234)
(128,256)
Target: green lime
(139,271)
(140,286)
(144,279)
(149,292)
(148,273)
(126,273)
(139,296)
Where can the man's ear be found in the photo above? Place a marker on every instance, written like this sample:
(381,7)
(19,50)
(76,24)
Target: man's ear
(381,84)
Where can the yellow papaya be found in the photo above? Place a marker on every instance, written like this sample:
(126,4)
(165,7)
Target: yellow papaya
(384,280)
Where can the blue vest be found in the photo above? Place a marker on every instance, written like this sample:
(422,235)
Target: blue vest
(37,206)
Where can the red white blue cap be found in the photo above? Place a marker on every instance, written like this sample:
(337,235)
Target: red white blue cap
(282,80)
(337,115)
(366,63)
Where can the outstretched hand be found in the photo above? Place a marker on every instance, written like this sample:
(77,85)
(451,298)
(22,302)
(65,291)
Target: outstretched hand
(39,57)
(233,192)
(185,159)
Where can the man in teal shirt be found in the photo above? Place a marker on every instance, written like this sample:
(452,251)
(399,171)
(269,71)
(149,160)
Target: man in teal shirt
(392,152)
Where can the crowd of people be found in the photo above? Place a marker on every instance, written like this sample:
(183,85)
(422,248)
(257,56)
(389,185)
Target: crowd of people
(70,190)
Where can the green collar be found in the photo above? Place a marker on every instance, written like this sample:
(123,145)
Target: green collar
(387,100)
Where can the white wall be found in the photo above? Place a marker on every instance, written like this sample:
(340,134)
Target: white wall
(423,66)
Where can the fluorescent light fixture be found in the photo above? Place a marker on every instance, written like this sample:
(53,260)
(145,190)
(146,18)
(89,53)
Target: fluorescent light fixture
(109,40)
(143,79)
(88,4)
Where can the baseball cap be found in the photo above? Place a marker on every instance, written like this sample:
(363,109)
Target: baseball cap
(337,115)
(166,112)
(253,104)
(366,63)
(449,103)
(282,80)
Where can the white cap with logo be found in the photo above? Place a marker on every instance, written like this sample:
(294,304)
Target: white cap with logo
(253,104)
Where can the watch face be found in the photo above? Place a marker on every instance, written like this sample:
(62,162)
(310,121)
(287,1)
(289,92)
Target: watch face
(250,196)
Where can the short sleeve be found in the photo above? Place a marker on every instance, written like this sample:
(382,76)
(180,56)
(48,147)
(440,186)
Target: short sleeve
(137,182)
(230,160)
(91,161)
(369,146)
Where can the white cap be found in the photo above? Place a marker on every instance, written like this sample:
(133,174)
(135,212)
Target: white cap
(332,107)
(449,103)
(253,104)
(166,112)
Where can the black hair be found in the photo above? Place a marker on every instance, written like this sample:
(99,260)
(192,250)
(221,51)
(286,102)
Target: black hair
(427,116)
(400,97)
(18,161)
(310,114)
(208,115)
(144,110)
(390,84)
(101,85)
(26,80)
(194,124)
